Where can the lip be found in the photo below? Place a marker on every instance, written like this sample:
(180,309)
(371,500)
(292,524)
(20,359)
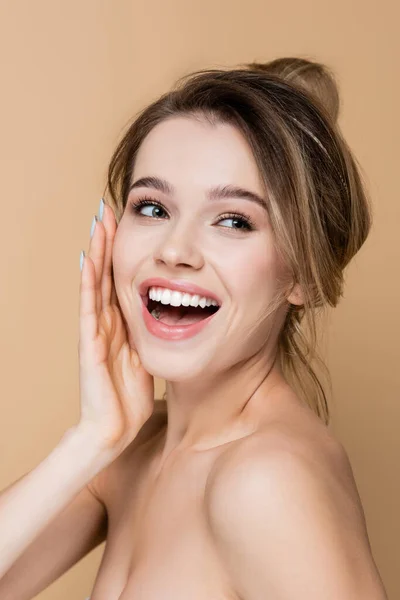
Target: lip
(179,285)
(173,332)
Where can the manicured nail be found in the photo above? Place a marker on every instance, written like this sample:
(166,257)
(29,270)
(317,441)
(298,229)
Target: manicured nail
(101,209)
(93,226)
(83,254)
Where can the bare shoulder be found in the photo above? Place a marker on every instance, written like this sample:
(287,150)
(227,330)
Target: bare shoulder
(302,450)
(280,501)
(301,435)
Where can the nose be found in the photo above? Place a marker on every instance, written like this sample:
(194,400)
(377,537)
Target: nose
(179,248)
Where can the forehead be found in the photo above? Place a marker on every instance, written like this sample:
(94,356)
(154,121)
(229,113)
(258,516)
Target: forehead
(186,150)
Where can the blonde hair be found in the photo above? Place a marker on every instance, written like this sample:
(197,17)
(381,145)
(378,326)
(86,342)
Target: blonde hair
(318,208)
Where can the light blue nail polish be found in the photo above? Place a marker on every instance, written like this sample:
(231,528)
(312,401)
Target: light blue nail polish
(93,226)
(101,209)
(83,254)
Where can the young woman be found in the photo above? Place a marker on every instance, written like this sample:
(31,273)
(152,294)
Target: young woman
(235,206)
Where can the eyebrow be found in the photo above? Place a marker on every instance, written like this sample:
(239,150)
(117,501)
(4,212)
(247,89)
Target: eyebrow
(218,192)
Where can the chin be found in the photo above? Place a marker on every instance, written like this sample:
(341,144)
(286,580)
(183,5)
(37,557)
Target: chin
(170,368)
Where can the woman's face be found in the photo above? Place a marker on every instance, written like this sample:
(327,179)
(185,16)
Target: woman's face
(191,238)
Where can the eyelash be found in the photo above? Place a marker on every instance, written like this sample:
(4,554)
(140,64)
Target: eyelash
(136,206)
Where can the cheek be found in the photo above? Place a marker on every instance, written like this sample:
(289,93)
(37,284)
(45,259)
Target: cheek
(127,254)
(253,274)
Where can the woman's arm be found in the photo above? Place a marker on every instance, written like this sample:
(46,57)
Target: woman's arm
(31,504)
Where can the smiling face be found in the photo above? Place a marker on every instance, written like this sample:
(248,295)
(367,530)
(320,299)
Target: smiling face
(187,235)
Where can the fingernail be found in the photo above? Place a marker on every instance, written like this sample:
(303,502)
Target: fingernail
(82,258)
(101,209)
(93,226)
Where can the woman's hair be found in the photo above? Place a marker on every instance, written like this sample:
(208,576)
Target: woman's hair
(320,215)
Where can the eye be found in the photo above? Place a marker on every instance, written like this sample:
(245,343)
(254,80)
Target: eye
(245,223)
(137,207)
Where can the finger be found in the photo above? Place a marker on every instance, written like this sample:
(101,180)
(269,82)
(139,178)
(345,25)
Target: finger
(114,297)
(96,253)
(106,285)
(88,322)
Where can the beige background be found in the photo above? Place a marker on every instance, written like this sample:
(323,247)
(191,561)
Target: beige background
(72,74)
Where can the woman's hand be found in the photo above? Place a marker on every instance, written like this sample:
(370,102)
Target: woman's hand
(116,393)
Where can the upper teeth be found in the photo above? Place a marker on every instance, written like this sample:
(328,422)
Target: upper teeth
(175,298)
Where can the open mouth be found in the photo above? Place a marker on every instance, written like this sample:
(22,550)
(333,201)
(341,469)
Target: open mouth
(174,315)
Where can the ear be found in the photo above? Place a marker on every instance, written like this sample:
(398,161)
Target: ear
(296,295)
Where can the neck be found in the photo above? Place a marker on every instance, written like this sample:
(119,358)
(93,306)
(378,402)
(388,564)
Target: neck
(213,411)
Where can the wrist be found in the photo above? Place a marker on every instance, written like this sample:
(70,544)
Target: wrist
(91,451)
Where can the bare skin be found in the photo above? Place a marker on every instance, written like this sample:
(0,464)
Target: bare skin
(227,397)
(159,542)
(192,495)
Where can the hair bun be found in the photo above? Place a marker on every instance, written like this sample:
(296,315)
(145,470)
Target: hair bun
(312,77)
